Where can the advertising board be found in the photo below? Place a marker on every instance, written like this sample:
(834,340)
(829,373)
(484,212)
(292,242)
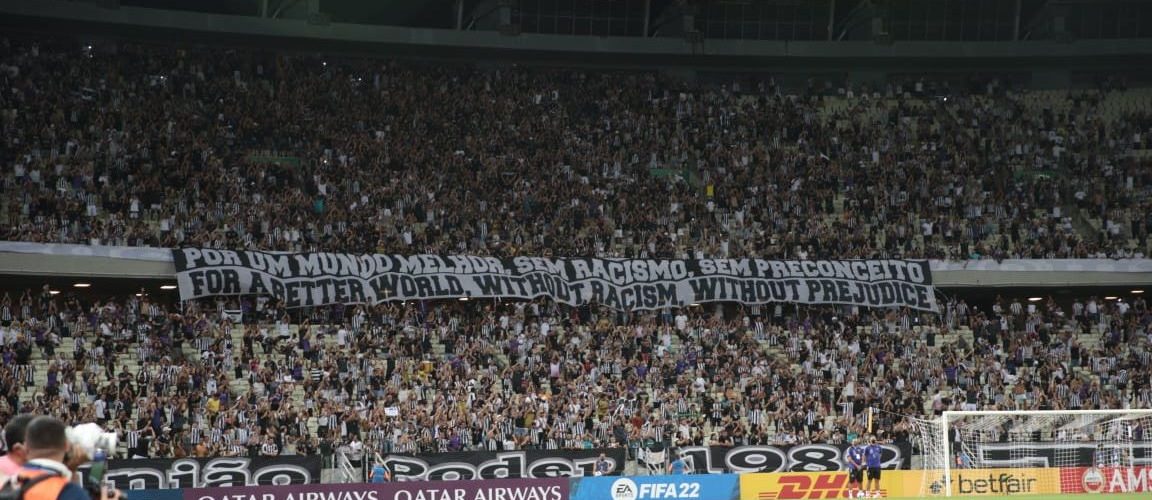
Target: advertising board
(491,489)
(678,487)
(1136,479)
(902,483)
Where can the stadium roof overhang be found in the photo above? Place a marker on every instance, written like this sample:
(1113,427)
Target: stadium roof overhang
(392,41)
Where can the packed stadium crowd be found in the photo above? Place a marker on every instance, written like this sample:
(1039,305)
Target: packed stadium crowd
(137,145)
(159,146)
(244,378)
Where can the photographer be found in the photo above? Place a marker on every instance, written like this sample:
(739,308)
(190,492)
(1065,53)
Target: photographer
(47,475)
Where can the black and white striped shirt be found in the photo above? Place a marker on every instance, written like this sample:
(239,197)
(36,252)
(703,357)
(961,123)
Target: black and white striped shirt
(133,438)
(756,417)
(1074,401)
(377,435)
(168,376)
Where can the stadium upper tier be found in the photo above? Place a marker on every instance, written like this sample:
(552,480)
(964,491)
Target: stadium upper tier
(166,146)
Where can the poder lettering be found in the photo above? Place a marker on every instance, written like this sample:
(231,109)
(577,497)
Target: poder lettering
(528,493)
(514,464)
(314,279)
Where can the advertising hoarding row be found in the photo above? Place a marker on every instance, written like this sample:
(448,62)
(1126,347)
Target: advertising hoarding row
(753,486)
(902,484)
(683,487)
(490,489)
(964,483)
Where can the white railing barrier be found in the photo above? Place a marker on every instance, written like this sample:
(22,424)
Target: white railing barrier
(348,473)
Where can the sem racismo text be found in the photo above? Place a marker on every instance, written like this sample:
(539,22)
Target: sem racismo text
(615,271)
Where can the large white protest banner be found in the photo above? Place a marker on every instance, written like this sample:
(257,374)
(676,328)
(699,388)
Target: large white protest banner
(314,279)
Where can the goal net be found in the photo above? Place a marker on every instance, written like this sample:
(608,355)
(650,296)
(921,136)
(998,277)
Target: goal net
(1036,452)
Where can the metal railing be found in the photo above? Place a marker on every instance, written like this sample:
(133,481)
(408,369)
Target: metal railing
(347,471)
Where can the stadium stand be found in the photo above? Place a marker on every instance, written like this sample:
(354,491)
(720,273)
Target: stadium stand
(522,375)
(159,146)
(169,147)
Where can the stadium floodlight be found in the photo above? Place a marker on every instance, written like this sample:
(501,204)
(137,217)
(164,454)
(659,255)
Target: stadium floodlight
(82,285)
(1137,292)
(167,287)
(1035,299)
(1034,452)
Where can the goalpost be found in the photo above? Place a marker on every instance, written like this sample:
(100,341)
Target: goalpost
(1035,452)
